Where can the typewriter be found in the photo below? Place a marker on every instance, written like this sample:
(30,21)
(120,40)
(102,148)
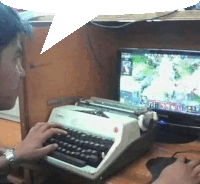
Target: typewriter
(103,136)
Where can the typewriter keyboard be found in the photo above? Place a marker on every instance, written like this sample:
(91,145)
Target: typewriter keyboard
(79,148)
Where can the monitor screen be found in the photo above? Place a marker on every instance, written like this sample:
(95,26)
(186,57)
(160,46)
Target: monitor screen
(167,80)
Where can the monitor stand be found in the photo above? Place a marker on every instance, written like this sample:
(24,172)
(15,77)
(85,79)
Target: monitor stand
(174,136)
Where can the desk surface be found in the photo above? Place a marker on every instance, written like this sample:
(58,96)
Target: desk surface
(135,173)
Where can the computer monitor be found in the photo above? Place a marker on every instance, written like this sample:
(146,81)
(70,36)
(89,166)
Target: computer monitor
(168,81)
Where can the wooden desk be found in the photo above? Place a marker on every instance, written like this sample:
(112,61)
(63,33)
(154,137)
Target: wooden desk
(135,173)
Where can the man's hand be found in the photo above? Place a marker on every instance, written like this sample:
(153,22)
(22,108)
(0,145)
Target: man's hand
(32,148)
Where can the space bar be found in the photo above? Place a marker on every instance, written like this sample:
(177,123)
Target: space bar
(68,159)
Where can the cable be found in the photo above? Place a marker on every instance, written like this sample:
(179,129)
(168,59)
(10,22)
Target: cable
(110,27)
(126,24)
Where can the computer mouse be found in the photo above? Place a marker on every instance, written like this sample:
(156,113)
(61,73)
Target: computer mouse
(156,165)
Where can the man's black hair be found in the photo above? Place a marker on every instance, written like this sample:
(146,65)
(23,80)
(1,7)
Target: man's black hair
(11,24)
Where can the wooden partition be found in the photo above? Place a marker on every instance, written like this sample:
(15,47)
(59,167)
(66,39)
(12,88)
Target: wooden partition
(70,68)
(85,63)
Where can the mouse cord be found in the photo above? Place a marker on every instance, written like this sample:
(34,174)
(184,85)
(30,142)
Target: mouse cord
(196,151)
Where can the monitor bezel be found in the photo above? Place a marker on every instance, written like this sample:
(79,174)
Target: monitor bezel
(164,112)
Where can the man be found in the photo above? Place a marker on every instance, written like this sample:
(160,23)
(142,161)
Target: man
(31,149)
(11,29)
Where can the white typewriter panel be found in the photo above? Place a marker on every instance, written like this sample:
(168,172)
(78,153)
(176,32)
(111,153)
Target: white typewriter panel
(122,130)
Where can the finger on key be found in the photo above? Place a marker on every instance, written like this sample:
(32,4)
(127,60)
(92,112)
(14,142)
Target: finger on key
(53,131)
(49,133)
(56,125)
(48,126)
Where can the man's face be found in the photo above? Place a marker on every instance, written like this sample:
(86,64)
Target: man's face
(10,73)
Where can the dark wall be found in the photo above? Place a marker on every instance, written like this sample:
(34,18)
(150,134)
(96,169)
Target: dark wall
(164,35)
